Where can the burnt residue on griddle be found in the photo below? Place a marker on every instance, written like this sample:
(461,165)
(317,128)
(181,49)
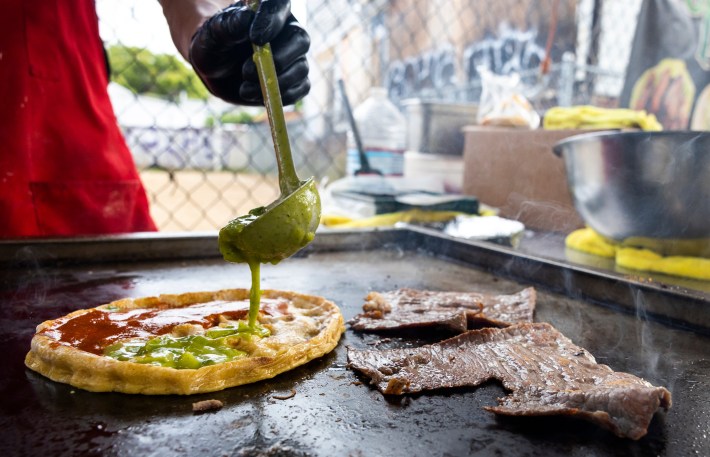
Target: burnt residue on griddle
(544,371)
(204,406)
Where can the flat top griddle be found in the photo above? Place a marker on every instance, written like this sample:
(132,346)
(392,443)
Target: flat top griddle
(333,411)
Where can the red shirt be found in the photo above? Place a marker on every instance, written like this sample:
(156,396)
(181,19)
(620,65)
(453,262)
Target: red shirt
(65,168)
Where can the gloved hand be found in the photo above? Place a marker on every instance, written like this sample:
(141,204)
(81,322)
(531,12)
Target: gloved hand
(221,52)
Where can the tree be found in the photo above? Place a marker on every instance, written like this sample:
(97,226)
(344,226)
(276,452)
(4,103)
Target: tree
(162,75)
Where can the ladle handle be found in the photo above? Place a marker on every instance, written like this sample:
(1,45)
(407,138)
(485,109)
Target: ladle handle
(264,60)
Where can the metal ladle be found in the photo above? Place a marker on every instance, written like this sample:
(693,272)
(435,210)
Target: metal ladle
(279,230)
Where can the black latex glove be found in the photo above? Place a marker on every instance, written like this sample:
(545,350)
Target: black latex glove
(221,52)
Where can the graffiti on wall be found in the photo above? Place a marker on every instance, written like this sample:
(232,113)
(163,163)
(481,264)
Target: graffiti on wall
(432,70)
(509,51)
(171,149)
(227,147)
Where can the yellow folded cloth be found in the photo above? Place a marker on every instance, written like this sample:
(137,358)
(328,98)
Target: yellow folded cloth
(592,117)
(587,240)
(389,219)
(647,260)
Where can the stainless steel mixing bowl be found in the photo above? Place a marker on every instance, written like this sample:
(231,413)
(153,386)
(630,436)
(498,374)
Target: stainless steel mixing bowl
(641,184)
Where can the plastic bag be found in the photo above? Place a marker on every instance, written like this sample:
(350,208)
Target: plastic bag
(502,104)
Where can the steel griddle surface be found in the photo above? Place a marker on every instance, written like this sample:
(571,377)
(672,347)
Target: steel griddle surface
(332,412)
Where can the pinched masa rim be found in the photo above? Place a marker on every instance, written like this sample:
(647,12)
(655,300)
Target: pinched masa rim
(98,373)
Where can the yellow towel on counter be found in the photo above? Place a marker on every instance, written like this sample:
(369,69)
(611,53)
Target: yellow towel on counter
(644,259)
(592,117)
(587,240)
(389,219)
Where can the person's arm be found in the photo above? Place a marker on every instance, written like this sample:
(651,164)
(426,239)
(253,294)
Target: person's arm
(184,17)
(217,40)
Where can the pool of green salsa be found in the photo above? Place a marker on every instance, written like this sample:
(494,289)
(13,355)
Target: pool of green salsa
(188,352)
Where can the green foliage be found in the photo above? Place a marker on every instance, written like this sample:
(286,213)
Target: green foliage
(162,75)
(234,117)
(239,117)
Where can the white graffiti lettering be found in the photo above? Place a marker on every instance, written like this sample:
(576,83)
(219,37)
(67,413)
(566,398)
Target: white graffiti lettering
(510,51)
(433,70)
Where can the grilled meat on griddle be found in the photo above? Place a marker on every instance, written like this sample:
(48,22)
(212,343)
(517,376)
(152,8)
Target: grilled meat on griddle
(456,311)
(544,371)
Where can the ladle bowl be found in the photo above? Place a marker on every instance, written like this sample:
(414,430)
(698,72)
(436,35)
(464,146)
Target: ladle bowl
(272,233)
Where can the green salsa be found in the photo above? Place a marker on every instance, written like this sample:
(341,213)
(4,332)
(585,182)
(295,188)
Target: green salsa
(271,234)
(216,345)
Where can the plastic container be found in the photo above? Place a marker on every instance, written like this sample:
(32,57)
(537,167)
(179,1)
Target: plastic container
(436,127)
(444,171)
(383,130)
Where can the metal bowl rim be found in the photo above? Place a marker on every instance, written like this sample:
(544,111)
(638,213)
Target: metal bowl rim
(616,134)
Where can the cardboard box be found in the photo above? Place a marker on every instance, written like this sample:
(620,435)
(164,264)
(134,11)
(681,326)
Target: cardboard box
(516,171)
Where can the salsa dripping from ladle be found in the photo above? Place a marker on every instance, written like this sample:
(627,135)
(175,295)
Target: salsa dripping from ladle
(272,233)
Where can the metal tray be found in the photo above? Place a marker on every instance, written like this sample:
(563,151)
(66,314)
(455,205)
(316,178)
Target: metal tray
(629,325)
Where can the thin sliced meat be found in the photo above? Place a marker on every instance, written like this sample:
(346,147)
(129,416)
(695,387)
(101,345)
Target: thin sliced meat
(456,311)
(544,371)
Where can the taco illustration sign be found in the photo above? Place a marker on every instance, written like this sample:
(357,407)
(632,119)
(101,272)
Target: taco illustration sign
(669,69)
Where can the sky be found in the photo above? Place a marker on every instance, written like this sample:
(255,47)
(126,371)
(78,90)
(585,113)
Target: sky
(141,23)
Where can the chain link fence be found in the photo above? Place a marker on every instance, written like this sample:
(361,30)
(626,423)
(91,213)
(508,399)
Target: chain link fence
(204,162)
